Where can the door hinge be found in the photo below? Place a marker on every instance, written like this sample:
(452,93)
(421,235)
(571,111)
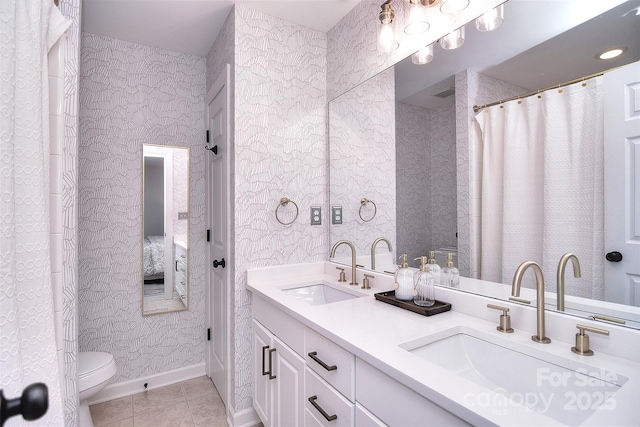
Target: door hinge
(208,334)
(208,235)
(207,135)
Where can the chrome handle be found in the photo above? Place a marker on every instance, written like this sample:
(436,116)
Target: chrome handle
(314,356)
(263,349)
(328,417)
(271,376)
(582,339)
(504,310)
(608,319)
(505,319)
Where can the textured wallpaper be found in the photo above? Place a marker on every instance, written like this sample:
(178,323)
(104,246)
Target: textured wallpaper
(472,88)
(130,95)
(426,179)
(362,164)
(280,151)
(71,10)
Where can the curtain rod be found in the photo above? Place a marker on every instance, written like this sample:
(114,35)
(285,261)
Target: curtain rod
(477,108)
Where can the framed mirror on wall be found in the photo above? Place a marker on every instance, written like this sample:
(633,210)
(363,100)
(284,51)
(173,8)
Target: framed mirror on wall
(165,237)
(429,158)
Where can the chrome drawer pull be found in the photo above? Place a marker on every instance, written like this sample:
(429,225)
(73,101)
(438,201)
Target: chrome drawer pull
(328,417)
(314,356)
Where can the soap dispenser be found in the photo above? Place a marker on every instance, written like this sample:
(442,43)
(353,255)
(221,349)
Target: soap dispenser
(435,268)
(423,290)
(450,276)
(404,281)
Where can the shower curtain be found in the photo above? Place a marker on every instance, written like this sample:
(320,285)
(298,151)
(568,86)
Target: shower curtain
(542,186)
(28,29)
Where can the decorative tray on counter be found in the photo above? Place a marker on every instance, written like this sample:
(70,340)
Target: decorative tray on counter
(390,298)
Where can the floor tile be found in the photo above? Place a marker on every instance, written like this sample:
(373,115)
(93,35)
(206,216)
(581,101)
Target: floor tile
(114,410)
(176,415)
(198,387)
(207,411)
(153,400)
(122,423)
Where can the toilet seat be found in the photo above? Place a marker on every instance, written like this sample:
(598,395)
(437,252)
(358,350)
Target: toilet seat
(94,368)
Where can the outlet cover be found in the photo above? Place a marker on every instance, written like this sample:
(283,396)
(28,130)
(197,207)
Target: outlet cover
(316,215)
(183,215)
(336,215)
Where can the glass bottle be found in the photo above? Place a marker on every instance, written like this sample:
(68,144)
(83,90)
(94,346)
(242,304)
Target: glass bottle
(450,276)
(434,268)
(423,290)
(404,281)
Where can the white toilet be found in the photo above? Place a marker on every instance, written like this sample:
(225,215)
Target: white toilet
(95,370)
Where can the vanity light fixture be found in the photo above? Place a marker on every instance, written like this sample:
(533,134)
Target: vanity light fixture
(423,56)
(491,20)
(387,42)
(453,40)
(453,6)
(611,53)
(415,17)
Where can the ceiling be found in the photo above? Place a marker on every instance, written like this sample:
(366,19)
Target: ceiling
(541,43)
(191,26)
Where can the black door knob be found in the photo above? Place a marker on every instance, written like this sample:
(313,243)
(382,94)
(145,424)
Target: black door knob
(614,256)
(217,263)
(32,405)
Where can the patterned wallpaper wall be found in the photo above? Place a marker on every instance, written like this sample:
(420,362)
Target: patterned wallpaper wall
(362,163)
(71,10)
(280,151)
(472,88)
(130,95)
(426,179)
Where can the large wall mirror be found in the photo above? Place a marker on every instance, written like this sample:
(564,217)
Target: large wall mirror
(396,139)
(165,266)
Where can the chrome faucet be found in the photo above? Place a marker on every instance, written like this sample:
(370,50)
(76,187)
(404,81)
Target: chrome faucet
(373,250)
(562,265)
(353,258)
(515,292)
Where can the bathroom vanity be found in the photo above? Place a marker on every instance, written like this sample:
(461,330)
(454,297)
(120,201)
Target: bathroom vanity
(327,353)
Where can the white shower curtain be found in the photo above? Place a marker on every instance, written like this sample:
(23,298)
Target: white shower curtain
(28,29)
(542,186)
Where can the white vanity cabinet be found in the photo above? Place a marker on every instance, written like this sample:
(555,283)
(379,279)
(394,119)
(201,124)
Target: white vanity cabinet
(278,380)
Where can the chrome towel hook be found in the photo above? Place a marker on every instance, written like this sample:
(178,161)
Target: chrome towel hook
(284,202)
(363,203)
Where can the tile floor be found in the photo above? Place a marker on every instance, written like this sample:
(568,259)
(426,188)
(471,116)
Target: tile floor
(192,403)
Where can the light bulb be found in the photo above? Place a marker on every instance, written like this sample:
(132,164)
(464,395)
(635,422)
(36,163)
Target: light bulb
(386,40)
(491,20)
(423,56)
(453,40)
(415,15)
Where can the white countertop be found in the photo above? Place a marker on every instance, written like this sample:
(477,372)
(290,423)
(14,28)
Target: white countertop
(372,330)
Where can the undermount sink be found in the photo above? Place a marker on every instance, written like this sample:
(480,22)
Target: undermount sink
(319,294)
(561,389)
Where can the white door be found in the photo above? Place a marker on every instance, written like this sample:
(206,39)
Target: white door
(217,255)
(622,184)
(288,400)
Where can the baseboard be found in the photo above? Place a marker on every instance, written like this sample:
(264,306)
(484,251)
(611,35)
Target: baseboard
(127,388)
(245,418)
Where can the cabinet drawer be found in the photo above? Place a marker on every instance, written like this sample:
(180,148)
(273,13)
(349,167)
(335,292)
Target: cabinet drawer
(407,408)
(328,400)
(181,253)
(319,350)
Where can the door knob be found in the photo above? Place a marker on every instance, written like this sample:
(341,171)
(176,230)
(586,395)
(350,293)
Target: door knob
(217,263)
(32,405)
(614,256)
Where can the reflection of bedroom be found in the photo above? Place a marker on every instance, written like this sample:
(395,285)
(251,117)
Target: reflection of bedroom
(154,227)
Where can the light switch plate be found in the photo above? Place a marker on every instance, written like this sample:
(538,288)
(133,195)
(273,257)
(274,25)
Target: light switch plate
(316,215)
(183,215)
(336,215)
